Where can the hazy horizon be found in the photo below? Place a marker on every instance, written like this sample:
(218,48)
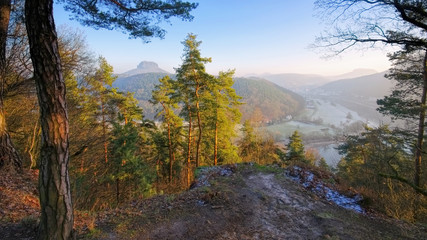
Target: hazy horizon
(271,36)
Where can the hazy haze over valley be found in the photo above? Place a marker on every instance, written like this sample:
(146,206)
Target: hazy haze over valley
(322,108)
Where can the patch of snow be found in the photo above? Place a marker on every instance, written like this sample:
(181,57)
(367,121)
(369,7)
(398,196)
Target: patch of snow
(309,181)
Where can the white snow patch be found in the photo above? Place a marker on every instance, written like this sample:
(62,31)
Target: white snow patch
(309,181)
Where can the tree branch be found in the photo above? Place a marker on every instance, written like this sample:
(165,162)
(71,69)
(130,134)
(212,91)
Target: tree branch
(403,180)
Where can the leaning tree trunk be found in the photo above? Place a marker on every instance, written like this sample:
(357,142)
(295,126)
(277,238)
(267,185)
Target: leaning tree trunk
(8,154)
(56,220)
(421,126)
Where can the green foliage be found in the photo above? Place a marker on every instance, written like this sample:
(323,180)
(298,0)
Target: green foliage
(323,165)
(138,17)
(256,94)
(404,102)
(254,147)
(208,104)
(127,164)
(295,148)
(377,152)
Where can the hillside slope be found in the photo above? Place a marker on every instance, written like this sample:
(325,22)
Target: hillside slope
(243,201)
(373,86)
(247,202)
(275,102)
(272,101)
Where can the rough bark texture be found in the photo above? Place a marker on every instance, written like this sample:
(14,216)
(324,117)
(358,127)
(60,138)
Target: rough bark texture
(421,126)
(9,157)
(55,199)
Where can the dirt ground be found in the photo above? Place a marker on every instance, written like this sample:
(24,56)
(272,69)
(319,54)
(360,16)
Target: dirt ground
(248,203)
(232,202)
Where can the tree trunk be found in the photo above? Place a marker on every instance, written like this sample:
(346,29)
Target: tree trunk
(104,133)
(421,123)
(216,140)
(118,191)
(189,148)
(199,125)
(171,153)
(9,157)
(56,221)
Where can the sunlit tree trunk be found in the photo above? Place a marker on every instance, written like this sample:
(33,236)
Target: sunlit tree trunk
(171,153)
(8,154)
(56,220)
(199,125)
(189,148)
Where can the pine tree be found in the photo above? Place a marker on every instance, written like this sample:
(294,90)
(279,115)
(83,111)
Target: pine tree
(295,148)
(57,221)
(162,95)
(191,82)
(225,117)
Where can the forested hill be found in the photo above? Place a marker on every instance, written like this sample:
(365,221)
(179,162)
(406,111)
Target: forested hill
(272,101)
(263,100)
(142,85)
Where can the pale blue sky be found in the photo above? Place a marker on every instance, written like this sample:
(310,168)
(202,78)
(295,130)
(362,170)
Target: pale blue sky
(251,36)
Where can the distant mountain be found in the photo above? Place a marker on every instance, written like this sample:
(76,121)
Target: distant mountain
(371,86)
(143,67)
(297,82)
(305,82)
(274,102)
(360,72)
(358,94)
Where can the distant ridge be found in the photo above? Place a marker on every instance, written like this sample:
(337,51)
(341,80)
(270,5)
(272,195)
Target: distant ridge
(143,67)
(374,85)
(359,72)
(297,82)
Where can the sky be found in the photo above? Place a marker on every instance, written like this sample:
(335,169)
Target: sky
(251,36)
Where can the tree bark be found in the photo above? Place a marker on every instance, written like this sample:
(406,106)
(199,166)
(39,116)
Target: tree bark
(171,153)
(421,126)
(199,125)
(189,148)
(216,140)
(104,133)
(56,221)
(9,157)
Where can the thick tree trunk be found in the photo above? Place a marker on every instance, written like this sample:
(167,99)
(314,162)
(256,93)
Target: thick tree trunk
(56,221)
(421,126)
(9,157)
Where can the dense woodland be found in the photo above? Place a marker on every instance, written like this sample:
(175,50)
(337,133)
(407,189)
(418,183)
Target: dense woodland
(94,145)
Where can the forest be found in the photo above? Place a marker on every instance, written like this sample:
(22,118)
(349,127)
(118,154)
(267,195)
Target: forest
(89,143)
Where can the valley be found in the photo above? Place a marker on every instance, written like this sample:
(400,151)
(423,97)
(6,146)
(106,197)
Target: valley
(323,109)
